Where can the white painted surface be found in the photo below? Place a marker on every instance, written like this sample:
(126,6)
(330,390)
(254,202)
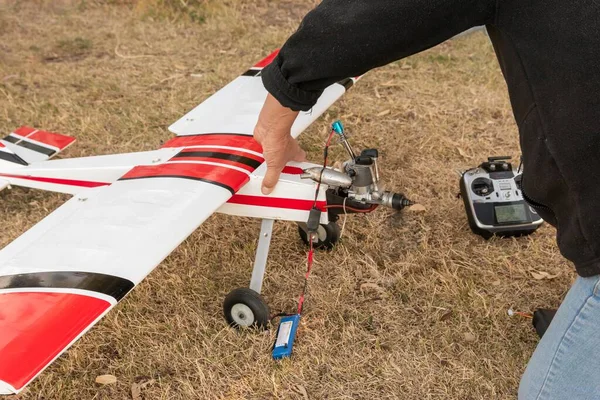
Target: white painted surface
(289,187)
(235,109)
(99,169)
(124,230)
(5,388)
(25,154)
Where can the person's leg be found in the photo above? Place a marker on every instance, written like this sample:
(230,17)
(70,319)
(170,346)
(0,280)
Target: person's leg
(566,363)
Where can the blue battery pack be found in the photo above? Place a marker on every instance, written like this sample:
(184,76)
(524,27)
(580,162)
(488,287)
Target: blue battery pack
(285,336)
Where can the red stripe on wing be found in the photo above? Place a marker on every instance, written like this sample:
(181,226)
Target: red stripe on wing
(57,181)
(267,60)
(36,327)
(224,176)
(276,202)
(240,141)
(52,139)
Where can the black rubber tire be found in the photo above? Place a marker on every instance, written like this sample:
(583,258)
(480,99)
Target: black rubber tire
(332,236)
(253,301)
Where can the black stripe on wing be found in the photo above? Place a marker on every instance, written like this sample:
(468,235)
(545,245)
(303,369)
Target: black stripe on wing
(30,145)
(220,156)
(109,285)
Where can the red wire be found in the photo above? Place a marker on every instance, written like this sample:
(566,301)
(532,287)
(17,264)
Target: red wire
(309,264)
(310,257)
(358,210)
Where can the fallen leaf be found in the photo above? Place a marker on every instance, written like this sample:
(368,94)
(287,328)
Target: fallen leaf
(537,275)
(469,337)
(136,388)
(540,275)
(106,379)
(463,153)
(302,390)
(136,392)
(369,285)
(417,208)
(445,316)
(144,385)
(396,367)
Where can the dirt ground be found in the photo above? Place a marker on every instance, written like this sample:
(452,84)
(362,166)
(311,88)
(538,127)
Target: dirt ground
(408,306)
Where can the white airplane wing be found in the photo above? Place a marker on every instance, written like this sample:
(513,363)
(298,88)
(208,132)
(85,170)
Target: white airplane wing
(60,277)
(66,272)
(235,108)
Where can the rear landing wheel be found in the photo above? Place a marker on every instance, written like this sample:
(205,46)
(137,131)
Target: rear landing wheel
(244,308)
(328,235)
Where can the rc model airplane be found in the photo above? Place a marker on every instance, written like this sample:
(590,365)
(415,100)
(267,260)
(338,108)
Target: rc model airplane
(65,273)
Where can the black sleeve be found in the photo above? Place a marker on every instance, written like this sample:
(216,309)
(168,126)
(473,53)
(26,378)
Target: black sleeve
(345,38)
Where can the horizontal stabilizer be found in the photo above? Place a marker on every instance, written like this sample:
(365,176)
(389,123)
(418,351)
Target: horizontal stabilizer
(33,145)
(8,159)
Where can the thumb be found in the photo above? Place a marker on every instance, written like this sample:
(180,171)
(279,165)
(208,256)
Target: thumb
(270,180)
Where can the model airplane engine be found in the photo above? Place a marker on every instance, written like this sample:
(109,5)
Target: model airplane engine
(357,184)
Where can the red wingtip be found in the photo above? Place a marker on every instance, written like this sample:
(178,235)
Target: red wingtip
(267,60)
(57,140)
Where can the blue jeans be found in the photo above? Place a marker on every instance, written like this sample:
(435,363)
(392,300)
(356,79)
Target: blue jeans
(566,363)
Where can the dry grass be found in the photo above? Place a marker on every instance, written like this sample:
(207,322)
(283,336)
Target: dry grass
(436,327)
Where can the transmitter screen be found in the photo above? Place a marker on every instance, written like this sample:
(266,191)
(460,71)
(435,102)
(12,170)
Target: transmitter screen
(511,213)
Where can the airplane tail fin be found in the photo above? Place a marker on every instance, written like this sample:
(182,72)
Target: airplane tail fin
(28,145)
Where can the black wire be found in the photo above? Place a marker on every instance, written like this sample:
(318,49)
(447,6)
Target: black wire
(325,155)
(279,315)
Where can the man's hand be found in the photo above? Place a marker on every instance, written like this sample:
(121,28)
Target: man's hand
(272,132)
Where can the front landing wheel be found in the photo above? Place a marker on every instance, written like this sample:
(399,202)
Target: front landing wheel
(328,235)
(244,308)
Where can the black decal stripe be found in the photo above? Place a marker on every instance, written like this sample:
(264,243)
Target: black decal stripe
(347,83)
(109,285)
(37,148)
(216,134)
(12,139)
(12,158)
(252,72)
(221,156)
(183,177)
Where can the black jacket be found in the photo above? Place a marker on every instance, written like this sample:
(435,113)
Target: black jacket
(549,52)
